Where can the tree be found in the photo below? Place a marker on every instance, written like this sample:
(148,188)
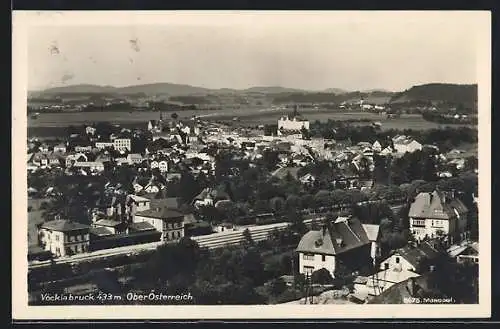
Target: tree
(321,276)
(292,202)
(188,187)
(297,221)
(343,276)
(174,116)
(277,204)
(277,286)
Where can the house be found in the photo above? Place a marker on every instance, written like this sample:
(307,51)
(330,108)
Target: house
(403,144)
(40,159)
(373,234)
(170,177)
(152,186)
(102,145)
(467,252)
(122,144)
(137,203)
(64,238)
(307,179)
(113,226)
(73,158)
(134,158)
(43,148)
(438,213)
(60,148)
(415,258)
(283,172)
(386,151)
(54,159)
(121,161)
(344,241)
(292,124)
(160,163)
(209,197)
(92,166)
(90,130)
(83,148)
(377,147)
(167,221)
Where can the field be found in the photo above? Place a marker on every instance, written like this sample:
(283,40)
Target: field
(248,116)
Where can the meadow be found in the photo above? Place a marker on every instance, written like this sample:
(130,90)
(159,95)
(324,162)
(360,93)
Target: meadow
(46,122)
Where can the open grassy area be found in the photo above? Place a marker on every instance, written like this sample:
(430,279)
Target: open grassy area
(52,124)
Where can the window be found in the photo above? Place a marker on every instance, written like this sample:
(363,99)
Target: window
(308,270)
(397,260)
(308,257)
(323,258)
(57,237)
(386,266)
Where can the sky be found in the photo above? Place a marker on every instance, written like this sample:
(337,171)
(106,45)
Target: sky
(313,51)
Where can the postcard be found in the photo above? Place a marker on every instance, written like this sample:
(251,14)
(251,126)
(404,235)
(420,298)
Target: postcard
(251,165)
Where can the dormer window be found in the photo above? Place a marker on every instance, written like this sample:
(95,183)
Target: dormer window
(339,241)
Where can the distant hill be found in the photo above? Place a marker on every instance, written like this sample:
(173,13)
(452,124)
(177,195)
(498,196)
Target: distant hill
(336,91)
(324,97)
(439,92)
(272,90)
(76,89)
(156,89)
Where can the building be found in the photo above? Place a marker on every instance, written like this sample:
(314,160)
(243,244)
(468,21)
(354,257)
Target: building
(71,159)
(91,165)
(438,213)
(103,145)
(134,158)
(344,241)
(414,258)
(167,221)
(403,144)
(292,124)
(466,252)
(122,144)
(136,204)
(373,234)
(64,238)
(60,148)
(83,148)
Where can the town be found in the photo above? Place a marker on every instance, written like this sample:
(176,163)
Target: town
(297,211)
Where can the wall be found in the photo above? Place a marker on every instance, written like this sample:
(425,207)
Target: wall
(317,263)
(56,242)
(405,265)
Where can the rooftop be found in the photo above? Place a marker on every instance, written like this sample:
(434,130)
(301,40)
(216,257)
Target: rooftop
(436,205)
(161,213)
(342,236)
(62,225)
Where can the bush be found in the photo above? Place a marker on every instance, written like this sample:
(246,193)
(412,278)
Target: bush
(322,276)
(277,286)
